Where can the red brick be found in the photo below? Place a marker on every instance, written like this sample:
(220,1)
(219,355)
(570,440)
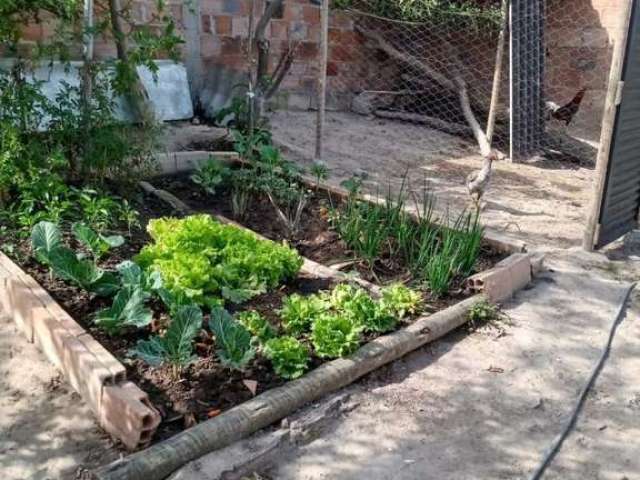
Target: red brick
(223,25)
(209,46)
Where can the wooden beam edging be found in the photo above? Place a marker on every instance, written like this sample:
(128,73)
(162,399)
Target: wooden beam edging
(120,407)
(187,161)
(160,460)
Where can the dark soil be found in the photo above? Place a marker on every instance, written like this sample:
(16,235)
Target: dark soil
(206,388)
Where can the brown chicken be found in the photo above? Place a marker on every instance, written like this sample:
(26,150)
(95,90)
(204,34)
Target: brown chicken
(566,112)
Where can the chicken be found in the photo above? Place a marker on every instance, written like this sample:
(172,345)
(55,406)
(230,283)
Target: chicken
(568,111)
(478,181)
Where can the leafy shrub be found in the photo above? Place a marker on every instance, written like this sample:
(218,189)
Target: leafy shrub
(205,260)
(210,175)
(176,345)
(334,335)
(298,312)
(256,324)
(232,339)
(288,356)
(46,243)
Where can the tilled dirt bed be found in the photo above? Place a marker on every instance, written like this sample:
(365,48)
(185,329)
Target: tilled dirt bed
(206,388)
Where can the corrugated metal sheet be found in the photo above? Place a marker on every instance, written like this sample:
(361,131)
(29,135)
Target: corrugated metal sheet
(621,199)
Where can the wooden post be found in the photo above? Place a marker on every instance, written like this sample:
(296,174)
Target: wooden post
(497,74)
(322,76)
(612,102)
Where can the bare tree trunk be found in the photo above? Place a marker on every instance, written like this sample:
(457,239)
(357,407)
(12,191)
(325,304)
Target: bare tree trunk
(139,97)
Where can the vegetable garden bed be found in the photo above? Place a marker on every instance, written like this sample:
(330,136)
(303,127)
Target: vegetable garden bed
(315,304)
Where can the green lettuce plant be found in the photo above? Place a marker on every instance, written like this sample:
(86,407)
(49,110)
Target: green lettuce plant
(289,357)
(400,300)
(208,261)
(233,340)
(334,335)
(256,324)
(298,312)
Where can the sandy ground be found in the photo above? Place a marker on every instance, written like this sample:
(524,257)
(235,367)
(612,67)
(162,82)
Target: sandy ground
(487,405)
(543,202)
(46,431)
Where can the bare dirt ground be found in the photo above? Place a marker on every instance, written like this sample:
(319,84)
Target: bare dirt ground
(486,405)
(544,202)
(46,430)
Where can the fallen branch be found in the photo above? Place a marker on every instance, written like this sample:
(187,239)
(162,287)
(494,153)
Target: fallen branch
(457,84)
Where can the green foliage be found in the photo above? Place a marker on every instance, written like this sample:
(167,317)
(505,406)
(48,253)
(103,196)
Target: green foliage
(97,243)
(232,339)
(437,254)
(128,309)
(298,312)
(176,345)
(45,239)
(481,15)
(49,250)
(400,300)
(205,260)
(334,335)
(320,172)
(483,312)
(362,310)
(289,357)
(256,324)
(210,175)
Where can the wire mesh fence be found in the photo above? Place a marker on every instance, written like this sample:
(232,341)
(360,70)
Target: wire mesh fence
(445,80)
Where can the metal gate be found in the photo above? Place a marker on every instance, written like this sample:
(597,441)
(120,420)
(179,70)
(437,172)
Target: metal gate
(617,204)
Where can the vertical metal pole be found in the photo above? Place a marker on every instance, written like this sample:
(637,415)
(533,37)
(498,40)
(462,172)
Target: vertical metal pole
(497,74)
(322,76)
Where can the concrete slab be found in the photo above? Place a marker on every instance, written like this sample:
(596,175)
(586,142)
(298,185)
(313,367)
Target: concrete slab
(487,405)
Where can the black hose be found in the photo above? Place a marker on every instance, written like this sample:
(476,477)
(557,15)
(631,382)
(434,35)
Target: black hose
(560,438)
